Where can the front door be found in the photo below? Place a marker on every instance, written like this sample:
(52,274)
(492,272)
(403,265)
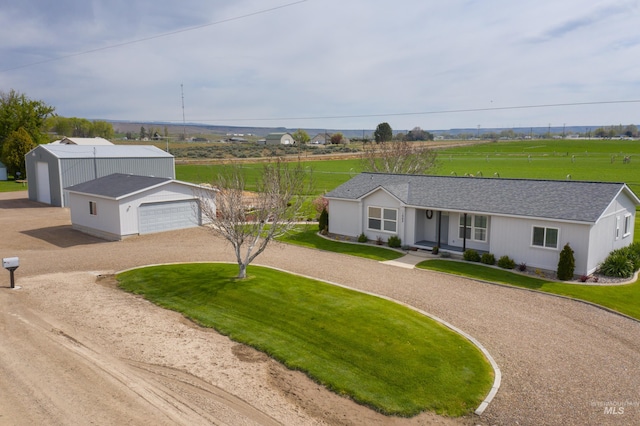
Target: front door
(444,228)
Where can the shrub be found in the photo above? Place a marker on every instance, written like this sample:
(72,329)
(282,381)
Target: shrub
(505,262)
(394,241)
(445,255)
(488,259)
(323,220)
(379,240)
(362,238)
(471,255)
(566,263)
(435,250)
(630,253)
(617,265)
(522,267)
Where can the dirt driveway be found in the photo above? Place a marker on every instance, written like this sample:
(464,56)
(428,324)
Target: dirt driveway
(75,350)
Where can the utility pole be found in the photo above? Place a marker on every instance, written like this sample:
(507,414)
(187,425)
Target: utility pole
(184,125)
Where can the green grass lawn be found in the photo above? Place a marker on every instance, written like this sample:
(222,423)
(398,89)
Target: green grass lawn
(11,185)
(624,298)
(379,353)
(307,236)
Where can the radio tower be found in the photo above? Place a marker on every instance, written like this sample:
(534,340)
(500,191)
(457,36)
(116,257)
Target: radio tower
(184,128)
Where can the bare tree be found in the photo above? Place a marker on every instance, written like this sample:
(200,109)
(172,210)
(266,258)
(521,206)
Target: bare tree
(250,220)
(398,157)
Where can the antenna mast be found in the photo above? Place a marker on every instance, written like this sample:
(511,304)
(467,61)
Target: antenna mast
(184,128)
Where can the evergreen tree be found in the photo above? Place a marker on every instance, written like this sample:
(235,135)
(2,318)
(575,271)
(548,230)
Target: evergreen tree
(566,263)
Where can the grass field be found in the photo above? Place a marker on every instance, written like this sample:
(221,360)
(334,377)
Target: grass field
(600,160)
(377,352)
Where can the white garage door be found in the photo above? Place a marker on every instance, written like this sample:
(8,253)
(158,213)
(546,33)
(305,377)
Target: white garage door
(159,217)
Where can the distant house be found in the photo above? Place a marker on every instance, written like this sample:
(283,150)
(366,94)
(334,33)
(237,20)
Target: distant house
(119,205)
(51,168)
(279,139)
(81,141)
(321,139)
(527,220)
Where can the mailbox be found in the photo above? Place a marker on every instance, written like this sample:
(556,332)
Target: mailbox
(10,262)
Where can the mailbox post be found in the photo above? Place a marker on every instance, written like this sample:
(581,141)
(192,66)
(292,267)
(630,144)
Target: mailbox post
(11,264)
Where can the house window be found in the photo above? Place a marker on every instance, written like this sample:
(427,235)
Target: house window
(545,237)
(475,226)
(381,219)
(93,208)
(627,225)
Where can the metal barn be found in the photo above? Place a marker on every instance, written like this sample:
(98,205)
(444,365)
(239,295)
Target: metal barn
(52,168)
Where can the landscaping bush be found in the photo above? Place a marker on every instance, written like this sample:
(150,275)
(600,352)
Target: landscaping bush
(566,263)
(394,241)
(617,265)
(471,255)
(435,250)
(630,253)
(323,221)
(362,238)
(488,259)
(522,267)
(505,262)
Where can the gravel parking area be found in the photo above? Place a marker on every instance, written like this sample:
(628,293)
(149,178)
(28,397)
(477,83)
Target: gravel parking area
(68,327)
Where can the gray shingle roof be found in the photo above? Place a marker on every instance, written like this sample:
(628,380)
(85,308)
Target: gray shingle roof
(550,199)
(117,185)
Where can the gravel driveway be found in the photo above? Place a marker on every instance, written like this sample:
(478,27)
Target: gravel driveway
(563,362)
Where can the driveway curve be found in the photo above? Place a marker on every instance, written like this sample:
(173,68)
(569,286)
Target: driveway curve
(562,362)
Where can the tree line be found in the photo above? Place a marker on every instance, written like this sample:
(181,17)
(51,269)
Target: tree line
(26,123)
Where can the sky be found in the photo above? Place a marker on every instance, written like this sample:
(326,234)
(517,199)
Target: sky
(333,64)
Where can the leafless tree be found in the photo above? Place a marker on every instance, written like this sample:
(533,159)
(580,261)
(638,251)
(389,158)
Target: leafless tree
(250,220)
(398,157)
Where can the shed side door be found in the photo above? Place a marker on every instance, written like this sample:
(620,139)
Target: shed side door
(42,178)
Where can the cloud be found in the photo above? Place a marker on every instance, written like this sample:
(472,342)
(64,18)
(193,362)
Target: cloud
(323,58)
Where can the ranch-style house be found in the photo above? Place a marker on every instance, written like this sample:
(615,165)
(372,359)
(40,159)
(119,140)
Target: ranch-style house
(527,220)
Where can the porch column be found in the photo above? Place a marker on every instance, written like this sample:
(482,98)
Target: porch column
(439,227)
(464,235)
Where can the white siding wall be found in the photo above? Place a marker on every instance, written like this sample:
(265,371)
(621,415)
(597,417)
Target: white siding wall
(513,237)
(603,234)
(382,198)
(104,224)
(344,217)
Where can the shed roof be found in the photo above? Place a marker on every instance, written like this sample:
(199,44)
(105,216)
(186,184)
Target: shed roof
(105,151)
(118,185)
(550,199)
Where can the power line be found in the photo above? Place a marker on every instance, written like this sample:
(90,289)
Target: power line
(153,37)
(449,111)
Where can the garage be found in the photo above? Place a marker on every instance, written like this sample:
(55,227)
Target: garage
(168,216)
(118,206)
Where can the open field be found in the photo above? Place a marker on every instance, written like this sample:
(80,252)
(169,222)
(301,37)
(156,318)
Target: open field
(600,160)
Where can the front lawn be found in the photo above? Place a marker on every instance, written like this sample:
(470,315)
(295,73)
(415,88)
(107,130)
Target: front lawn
(623,298)
(379,353)
(307,236)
